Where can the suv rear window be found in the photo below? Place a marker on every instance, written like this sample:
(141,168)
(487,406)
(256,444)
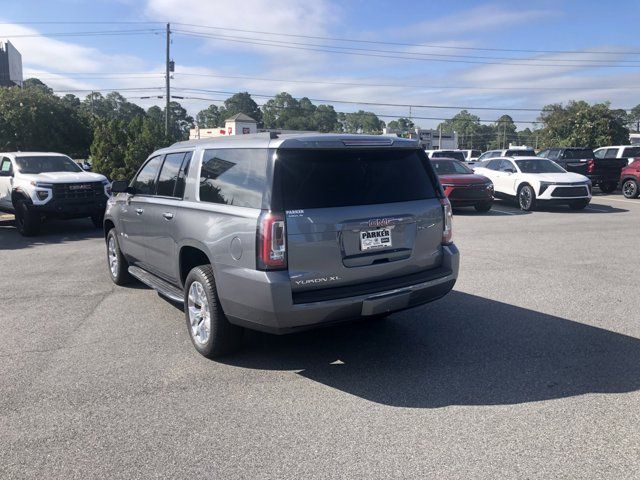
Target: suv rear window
(448,154)
(578,153)
(520,153)
(341,178)
(631,152)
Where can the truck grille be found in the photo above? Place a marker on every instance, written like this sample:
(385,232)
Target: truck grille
(469,192)
(570,192)
(78,191)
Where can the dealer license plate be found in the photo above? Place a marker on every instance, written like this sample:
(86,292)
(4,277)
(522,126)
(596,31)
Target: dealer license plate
(378,238)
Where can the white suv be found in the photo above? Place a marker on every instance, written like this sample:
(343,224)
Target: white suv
(36,185)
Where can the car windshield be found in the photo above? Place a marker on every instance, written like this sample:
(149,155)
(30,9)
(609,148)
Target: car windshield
(447,167)
(578,153)
(539,166)
(44,164)
(448,154)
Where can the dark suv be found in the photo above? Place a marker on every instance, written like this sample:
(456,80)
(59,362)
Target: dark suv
(283,233)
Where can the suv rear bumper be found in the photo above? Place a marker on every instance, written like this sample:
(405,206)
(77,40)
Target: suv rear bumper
(271,306)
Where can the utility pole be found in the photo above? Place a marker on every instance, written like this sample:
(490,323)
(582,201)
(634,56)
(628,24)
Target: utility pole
(168,80)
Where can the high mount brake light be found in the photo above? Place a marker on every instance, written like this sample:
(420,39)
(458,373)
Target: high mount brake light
(447,230)
(271,242)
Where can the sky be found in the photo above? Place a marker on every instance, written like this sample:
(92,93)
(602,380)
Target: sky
(491,57)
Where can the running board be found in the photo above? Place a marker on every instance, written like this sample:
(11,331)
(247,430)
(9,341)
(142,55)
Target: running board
(159,285)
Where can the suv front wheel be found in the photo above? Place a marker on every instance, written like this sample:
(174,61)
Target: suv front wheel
(28,222)
(630,188)
(526,198)
(118,266)
(210,331)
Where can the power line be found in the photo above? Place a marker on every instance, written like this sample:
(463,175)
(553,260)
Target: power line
(327,49)
(423,45)
(413,54)
(85,34)
(395,85)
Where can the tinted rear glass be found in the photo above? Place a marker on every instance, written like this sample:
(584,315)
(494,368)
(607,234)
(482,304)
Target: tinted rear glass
(340,178)
(169,174)
(578,153)
(449,154)
(520,153)
(631,152)
(234,176)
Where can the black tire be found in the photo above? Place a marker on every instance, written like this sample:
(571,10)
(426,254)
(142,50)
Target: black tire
(27,222)
(526,198)
(483,207)
(120,274)
(223,337)
(97,219)
(608,187)
(630,188)
(579,204)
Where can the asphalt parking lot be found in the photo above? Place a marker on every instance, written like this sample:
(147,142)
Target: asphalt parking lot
(529,369)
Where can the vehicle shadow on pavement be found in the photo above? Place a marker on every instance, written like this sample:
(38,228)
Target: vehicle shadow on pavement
(461,350)
(51,232)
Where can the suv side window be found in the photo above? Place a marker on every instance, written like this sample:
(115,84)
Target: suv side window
(611,153)
(171,179)
(5,166)
(494,165)
(506,165)
(234,176)
(553,153)
(145,181)
(599,153)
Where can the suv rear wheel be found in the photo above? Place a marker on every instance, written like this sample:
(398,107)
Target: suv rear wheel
(210,331)
(526,198)
(630,188)
(608,187)
(28,222)
(118,266)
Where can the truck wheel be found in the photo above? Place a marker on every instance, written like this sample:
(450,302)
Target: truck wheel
(526,198)
(630,188)
(118,266)
(97,219)
(608,187)
(28,222)
(578,204)
(483,207)
(210,331)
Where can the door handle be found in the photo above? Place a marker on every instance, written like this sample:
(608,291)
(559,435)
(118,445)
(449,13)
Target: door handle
(139,211)
(167,215)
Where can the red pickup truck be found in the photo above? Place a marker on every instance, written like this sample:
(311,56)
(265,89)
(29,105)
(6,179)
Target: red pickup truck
(630,179)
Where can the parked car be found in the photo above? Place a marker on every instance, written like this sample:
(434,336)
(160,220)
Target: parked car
(630,180)
(628,152)
(508,152)
(457,154)
(461,186)
(283,233)
(533,180)
(604,173)
(37,185)
(471,155)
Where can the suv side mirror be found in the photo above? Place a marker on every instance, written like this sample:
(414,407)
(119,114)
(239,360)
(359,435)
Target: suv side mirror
(120,186)
(510,170)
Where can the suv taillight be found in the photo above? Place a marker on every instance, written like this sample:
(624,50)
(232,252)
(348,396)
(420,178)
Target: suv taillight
(447,230)
(591,166)
(271,242)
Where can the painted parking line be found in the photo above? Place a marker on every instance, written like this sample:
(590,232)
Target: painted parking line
(504,211)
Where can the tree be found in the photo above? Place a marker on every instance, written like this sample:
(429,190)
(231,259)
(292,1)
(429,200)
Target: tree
(582,125)
(402,125)
(633,119)
(33,118)
(209,117)
(113,106)
(36,84)
(505,131)
(281,111)
(325,119)
(241,103)
(467,126)
(361,122)
(181,122)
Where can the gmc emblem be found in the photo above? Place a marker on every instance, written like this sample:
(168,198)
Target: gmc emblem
(80,187)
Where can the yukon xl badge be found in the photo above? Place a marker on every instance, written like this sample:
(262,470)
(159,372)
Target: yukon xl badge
(331,278)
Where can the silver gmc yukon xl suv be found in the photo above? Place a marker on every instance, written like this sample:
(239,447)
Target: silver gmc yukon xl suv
(282,233)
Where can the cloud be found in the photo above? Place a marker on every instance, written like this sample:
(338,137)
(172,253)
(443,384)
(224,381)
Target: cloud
(475,20)
(56,55)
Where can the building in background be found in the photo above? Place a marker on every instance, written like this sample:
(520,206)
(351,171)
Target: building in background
(430,139)
(239,124)
(10,65)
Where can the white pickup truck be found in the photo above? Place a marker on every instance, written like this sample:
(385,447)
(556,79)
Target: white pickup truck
(37,185)
(630,152)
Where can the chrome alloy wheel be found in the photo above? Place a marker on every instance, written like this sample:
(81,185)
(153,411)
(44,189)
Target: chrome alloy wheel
(630,189)
(199,314)
(112,256)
